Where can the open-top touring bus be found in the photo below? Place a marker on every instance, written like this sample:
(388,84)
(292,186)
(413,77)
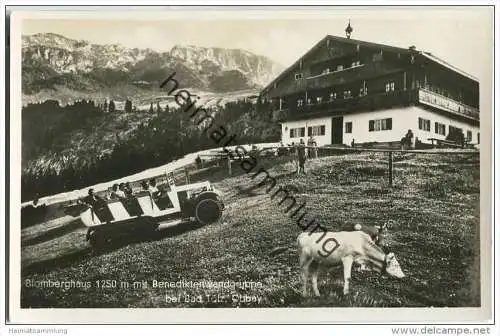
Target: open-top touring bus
(144,213)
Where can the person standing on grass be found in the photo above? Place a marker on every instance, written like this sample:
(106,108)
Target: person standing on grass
(409,139)
(310,143)
(301,155)
(292,151)
(314,150)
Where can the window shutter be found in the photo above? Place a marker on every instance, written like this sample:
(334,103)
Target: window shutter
(389,123)
(436,130)
(322,131)
(371,125)
(291,133)
(302,131)
(309,130)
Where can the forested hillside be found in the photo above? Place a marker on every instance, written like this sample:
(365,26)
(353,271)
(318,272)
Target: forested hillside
(64,148)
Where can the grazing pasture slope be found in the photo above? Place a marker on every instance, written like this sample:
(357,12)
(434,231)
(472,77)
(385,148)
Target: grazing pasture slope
(433,211)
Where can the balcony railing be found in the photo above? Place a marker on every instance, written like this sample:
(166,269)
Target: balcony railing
(436,100)
(377,101)
(353,104)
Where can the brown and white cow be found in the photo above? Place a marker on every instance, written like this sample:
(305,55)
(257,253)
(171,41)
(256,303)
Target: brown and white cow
(319,249)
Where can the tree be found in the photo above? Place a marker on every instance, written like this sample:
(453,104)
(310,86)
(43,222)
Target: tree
(158,107)
(111,106)
(151,108)
(105,107)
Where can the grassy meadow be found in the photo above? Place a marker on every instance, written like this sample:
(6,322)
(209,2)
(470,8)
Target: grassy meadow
(433,211)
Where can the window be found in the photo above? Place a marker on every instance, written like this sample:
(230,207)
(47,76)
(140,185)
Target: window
(326,71)
(363,91)
(316,130)
(300,102)
(309,101)
(478,137)
(355,63)
(340,67)
(389,86)
(380,125)
(469,136)
(452,129)
(348,127)
(319,99)
(424,124)
(439,128)
(298,76)
(297,132)
(333,96)
(347,94)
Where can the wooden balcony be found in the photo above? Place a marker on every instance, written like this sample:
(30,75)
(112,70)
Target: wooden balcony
(378,101)
(349,105)
(438,101)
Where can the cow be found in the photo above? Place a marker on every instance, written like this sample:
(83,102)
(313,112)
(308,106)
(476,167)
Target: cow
(318,249)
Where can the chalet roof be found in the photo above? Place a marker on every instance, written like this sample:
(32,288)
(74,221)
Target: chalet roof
(389,48)
(448,65)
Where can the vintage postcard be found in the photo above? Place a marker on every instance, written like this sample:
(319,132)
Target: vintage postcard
(251,165)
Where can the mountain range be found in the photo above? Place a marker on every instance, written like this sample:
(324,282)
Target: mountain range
(54,65)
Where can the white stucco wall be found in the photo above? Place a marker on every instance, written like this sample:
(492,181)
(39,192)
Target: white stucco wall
(320,140)
(402,120)
(360,122)
(434,117)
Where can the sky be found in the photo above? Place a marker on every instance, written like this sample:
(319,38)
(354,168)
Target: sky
(461,36)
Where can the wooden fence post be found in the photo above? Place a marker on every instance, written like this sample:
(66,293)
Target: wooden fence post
(390,169)
(229,164)
(186,174)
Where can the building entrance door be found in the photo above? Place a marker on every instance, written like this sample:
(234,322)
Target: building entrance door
(337,130)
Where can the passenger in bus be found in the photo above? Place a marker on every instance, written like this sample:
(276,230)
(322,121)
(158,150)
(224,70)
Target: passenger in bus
(92,199)
(131,203)
(155,193)
(121,191)
(98,205)
(128,190)
(116,193)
